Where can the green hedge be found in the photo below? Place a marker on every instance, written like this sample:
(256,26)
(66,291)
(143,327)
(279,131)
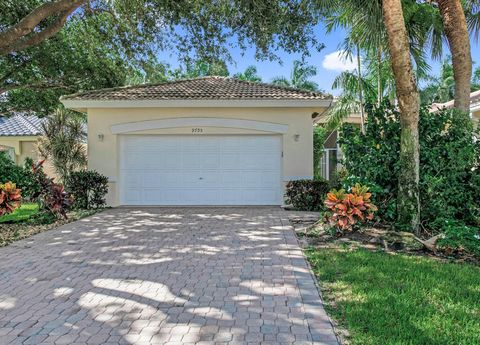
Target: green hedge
(307,195)
(88,188)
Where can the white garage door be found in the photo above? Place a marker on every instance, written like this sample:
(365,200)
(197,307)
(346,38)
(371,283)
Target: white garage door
(200,170)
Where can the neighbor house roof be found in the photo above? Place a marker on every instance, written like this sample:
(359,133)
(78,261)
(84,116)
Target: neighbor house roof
(21,125)
(206,88)
(474,102)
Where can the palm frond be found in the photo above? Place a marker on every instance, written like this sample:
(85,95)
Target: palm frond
(281,81)
(344,106)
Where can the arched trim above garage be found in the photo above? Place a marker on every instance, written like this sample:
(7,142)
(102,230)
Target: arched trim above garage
(198,122)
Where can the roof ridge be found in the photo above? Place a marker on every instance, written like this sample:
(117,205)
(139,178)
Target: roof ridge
(281,87)
(186,80)
(125,87)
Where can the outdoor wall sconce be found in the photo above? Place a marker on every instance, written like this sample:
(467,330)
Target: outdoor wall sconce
(100,137)
(296,137)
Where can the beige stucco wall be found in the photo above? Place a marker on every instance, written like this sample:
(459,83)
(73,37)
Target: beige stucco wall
(23,146)
(103,154)
(26,146)
(476,116)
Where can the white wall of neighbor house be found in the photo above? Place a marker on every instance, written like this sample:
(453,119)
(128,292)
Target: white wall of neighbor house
(103,144)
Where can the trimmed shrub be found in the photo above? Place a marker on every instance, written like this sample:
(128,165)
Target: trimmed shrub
(306,195)
(22,176)
(449,164)
(89,188)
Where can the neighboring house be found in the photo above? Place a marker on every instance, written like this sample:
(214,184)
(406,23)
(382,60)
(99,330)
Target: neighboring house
(474,106)
(205,141)
(18,136)
(331,152)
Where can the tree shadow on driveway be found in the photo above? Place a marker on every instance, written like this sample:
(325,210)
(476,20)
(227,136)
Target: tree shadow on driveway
(162,276)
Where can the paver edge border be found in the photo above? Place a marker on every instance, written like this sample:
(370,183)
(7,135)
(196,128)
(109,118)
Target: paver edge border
(287,224)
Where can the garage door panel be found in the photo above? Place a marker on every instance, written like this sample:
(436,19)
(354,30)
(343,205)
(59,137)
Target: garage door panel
(200,170)
(191,196)
(151,195)
(201,178)
(132,196)
(251,196)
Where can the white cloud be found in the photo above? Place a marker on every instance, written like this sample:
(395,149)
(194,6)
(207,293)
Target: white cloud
(337,61)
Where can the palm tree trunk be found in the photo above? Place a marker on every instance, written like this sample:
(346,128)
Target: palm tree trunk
(456,31)
(408,202)
(360,91)
(379,77)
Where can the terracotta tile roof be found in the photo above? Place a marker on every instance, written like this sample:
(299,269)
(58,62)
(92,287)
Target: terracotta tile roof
(21,125)
(206,88)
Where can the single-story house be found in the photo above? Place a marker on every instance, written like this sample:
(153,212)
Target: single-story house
(474,106)
(204,141)
(19,134)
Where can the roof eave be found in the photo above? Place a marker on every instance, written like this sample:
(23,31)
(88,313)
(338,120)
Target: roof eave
(83,105)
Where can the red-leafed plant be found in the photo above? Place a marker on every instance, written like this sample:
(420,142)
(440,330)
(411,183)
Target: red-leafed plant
(57,200)
(52,196)
(345,210)
(10,198)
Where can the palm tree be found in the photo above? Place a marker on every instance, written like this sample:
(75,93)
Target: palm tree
(63,142)
(456,31)
(250,74)
(376,82)
(366,37)
(299,77)
(408,200)
(472,11)
(441,88)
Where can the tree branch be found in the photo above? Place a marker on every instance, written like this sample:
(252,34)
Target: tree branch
(15,37)
(33,86)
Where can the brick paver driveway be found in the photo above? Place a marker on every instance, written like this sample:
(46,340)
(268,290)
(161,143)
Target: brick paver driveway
(162,276)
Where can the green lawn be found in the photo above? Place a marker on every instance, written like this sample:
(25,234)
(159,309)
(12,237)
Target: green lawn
(397,299)
(20,214)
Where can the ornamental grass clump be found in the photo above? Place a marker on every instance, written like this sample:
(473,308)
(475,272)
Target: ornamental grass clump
(347,210)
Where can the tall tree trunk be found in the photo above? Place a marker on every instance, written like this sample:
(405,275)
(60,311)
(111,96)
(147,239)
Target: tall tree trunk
(456,31)
(360,91)
(408,202)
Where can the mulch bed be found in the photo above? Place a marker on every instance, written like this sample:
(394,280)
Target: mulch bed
(311,232)
(14,232)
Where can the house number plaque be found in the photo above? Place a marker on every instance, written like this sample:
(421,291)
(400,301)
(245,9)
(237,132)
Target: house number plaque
(197,130)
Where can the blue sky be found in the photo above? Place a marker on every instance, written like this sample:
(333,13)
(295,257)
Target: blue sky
(326,61)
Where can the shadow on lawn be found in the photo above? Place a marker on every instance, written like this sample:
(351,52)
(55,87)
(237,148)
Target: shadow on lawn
(399,299)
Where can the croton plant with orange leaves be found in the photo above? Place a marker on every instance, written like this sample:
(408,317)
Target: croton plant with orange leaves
(347,209)
(9,198)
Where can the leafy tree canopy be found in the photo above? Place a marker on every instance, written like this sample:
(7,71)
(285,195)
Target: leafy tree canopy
(111,43)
